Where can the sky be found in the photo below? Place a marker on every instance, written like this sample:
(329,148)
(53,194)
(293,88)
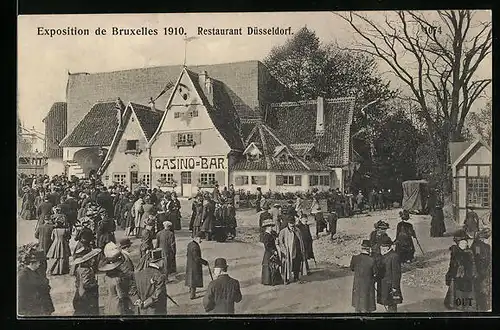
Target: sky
(44,61)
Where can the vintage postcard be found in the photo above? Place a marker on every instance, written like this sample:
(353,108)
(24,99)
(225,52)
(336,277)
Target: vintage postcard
(254,163)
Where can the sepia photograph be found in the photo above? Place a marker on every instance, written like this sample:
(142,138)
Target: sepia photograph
(264,163)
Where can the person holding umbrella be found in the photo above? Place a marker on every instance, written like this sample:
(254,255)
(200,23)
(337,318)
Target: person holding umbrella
(86,298)
(194,262)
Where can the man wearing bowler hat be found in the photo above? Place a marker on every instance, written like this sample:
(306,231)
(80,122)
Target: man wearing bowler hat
(363,287)
(223,292)
(151,286)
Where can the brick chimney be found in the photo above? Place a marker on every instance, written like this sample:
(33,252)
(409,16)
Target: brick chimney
(207,84)
(320,117)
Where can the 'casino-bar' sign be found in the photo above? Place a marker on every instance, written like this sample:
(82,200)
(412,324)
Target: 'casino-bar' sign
(189,163)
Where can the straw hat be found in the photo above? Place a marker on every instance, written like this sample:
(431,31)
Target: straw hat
(86,257)
(268,223)
(111,250)
(111,264)
(167,224)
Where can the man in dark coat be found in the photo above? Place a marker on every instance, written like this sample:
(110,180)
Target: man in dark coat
(174,212)
(44,209)
(194,261)
(389,283)
(165,240)
(208,217)
(372,200)
(105,200)
(482,257)
(33,287)
(305,232)
(223,292)
(44,235)
(54,197)
(151,285)
(363,287)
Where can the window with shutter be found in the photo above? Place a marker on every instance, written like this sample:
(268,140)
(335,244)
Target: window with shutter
(173,139)
(279,180)
(122,146)
(298,180)
(197,138)
(238,180)
(220,178)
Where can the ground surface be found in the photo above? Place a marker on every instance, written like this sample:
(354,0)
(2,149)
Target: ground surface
(326,290)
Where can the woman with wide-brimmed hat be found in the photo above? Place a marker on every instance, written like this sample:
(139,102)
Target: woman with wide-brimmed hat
(377,236)
(86,298)
(263,216)
(59,252)
(118,283)
(461,275)
(270,262)
(33,287)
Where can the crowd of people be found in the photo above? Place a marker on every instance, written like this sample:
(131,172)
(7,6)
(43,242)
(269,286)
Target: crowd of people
(377,269)
(90,212)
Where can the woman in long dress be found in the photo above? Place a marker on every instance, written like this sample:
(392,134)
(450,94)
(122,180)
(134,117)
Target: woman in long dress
(461,275)
(59,252)
(438,227)
(270,262)
(119,286)
(404,238)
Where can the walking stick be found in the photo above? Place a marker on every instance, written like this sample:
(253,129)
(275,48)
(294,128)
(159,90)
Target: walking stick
(210,272)
(172,300)
(418,243)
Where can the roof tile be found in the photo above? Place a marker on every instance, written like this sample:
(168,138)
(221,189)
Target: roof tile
(97,128)
(148,119)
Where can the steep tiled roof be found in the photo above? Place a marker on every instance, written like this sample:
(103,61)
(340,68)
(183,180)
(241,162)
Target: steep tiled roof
(296,123)
(245,83)
(222,112)
(268,142)
(246,126)
(55,129)
(97,128)
(148,119)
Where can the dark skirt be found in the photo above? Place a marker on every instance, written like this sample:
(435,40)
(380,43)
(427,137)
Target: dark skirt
(457,299)
(175,218)
(271,275)
(88,304)
(437,223)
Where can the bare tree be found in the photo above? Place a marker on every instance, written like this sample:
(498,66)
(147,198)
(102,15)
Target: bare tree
(436,59)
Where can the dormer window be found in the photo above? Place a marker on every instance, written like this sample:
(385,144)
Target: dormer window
(253,157)
(283,158)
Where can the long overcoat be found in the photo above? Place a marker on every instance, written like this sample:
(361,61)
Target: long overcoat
(174,213)
(33,294)
(86,298)
(165,239)
(152,290)
(44,236)
(482,283)
(363,287)
(390,278)
(222,294)
(208,217)
(118,301)
(460,279)
(194,262)
(290,250)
